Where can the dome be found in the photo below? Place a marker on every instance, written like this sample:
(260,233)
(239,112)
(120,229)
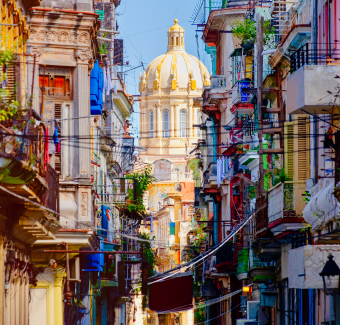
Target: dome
(176,69)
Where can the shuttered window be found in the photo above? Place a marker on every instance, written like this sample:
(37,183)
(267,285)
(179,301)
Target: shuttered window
(301,147)
(8,80)
(57,155)
(289,149)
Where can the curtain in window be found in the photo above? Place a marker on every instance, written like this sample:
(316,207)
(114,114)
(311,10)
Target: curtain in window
(183,123)
(166,124)
(151,124)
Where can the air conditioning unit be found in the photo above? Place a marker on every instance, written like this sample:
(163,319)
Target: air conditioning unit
(74,265)
(252,310)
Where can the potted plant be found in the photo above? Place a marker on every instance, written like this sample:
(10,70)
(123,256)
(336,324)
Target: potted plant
(239,148)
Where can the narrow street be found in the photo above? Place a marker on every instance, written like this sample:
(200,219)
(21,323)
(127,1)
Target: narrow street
(169,162)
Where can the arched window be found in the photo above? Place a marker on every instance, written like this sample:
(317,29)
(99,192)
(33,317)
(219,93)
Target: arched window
(151,124)
(166,124)
(177,41)
(183,123)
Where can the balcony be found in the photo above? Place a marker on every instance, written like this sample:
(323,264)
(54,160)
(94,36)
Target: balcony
(241,101)
(218,83)
(322,207)
(29,183)
(312,85)
(285,207)
(259,269)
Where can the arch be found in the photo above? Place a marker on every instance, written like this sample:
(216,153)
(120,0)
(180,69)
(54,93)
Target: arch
(166,123)
(183,123)
(151,125)
(173,40)
(177,41)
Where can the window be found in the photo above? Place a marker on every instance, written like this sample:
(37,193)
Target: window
(183,123)
(55,82)
(151,124)
(166,124)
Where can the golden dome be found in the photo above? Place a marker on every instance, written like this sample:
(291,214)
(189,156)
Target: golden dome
(176,69)
(176,26)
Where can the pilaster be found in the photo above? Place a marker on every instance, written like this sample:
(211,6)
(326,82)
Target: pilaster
(190,133)
(82,109)
(58,298)
(172,120)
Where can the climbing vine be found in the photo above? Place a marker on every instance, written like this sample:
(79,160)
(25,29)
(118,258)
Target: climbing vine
(143,180)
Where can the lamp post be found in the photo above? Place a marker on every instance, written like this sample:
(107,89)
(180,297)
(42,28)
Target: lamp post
(331,276)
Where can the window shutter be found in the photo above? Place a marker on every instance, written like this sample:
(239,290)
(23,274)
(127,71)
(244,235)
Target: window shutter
(301,148)
(289,149)
(9,83)
(57,155)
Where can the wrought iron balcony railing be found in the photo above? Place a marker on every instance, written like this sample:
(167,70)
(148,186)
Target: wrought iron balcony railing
(315,54)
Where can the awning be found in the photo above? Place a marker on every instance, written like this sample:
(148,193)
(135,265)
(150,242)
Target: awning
(173,295)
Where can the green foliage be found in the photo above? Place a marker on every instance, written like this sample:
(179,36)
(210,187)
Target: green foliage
(8,103)
(199,315)
(144,302)
(102,49)
(143,180)
(251,192)
(306,196)
(197,241)
(246,31)
(149,254)
(279,176)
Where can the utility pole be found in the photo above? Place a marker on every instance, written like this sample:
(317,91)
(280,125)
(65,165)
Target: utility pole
(259,59)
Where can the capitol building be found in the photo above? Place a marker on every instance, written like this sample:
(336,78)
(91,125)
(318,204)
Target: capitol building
(168,88)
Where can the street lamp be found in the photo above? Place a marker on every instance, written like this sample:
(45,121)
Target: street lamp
(330,275)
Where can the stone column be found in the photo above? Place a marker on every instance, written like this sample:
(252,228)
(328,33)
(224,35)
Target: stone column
(142,119)
(190,134)
(82,126)
(158,122)
(172,121)
(177,124)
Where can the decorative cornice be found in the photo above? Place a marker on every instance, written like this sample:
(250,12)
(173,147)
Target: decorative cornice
(59,36)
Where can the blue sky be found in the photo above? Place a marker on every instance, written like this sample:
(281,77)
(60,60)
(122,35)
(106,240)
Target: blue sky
(143,26)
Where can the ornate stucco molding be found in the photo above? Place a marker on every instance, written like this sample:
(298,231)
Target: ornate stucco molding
(35,50)
(84,56)
(60,36)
